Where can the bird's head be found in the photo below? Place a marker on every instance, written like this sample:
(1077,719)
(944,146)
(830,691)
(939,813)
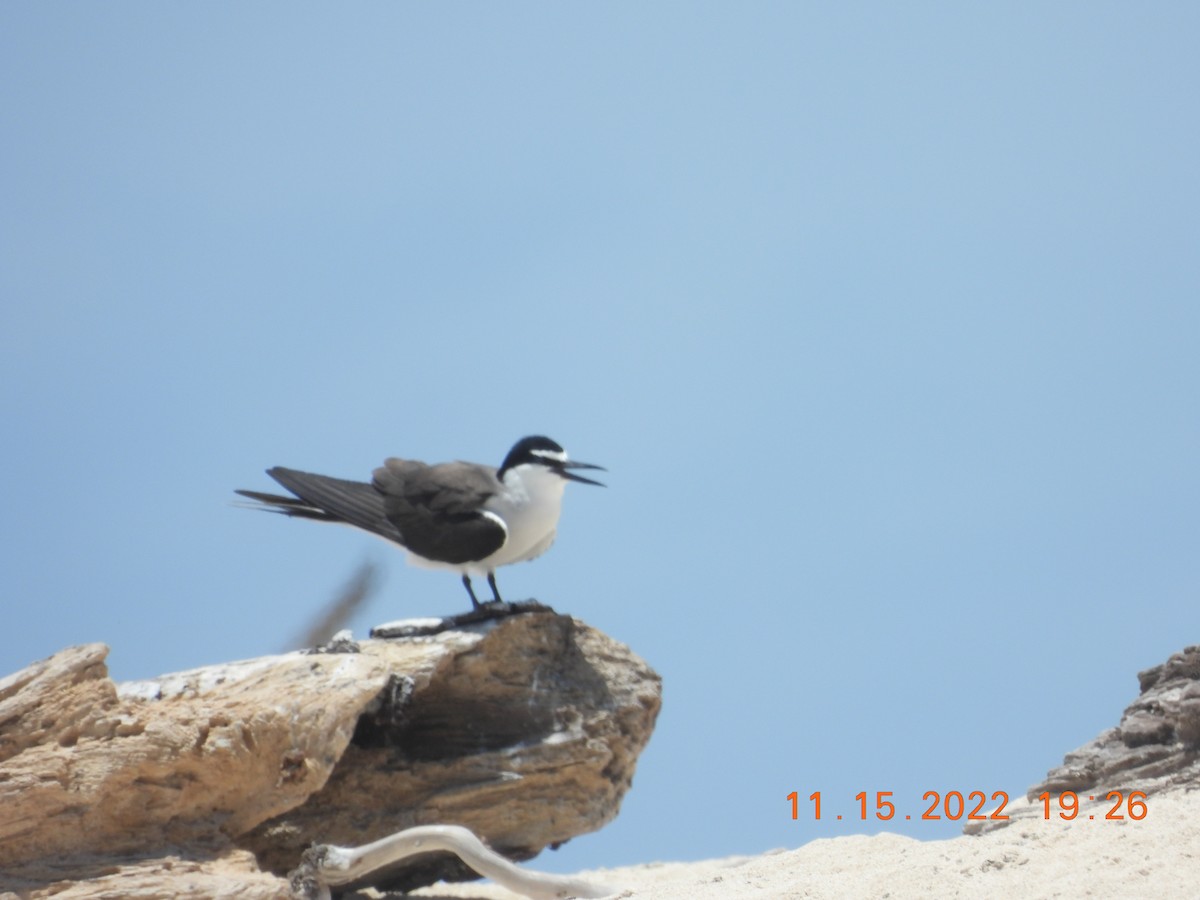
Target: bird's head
(540,451)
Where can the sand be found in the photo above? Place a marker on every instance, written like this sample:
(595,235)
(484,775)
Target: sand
(1157,857)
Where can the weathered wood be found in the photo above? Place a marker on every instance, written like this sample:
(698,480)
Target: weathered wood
(324,866)
(525,730)
(1155,748)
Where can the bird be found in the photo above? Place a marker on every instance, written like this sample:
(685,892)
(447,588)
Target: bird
(458,516)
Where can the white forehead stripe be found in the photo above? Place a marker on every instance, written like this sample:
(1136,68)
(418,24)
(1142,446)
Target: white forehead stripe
(550,454)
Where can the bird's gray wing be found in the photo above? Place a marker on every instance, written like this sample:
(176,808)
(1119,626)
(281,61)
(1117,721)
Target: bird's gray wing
(437,509)
(329,500)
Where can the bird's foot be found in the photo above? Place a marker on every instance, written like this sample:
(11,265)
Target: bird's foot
(484,612)
(498,609)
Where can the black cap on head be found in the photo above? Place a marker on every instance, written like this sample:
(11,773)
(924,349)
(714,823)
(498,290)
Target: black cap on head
(539,449)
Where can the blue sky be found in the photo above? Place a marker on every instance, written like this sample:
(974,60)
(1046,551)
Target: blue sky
(884,319)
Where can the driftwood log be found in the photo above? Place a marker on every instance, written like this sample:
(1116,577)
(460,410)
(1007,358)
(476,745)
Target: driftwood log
(324,867)
(212,783)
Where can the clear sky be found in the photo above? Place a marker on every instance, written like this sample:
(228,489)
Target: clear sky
(885,319)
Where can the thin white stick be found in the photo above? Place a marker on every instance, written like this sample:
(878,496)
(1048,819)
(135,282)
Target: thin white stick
(342,865)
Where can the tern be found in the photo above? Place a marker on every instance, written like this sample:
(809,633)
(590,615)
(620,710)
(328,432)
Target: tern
(464,517)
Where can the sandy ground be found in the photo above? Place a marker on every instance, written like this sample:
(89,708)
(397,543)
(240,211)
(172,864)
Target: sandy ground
(1157,857)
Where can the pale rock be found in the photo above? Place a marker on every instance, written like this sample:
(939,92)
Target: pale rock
(211,782)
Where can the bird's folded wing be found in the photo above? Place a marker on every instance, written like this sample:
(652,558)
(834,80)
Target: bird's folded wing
(439,509)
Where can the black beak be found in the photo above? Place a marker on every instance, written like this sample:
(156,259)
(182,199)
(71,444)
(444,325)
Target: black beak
(571,476)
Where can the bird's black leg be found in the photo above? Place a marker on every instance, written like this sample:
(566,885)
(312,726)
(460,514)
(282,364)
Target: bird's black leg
(471,590)
(492,585)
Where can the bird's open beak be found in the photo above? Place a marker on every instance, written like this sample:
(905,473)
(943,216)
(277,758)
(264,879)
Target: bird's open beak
(571,464)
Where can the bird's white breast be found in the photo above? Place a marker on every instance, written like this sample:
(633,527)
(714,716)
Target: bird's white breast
(529,506)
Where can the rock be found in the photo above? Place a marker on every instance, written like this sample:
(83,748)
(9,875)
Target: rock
(526,730)
(1153,749)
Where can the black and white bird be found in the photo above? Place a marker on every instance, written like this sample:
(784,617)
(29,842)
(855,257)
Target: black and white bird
(463,517)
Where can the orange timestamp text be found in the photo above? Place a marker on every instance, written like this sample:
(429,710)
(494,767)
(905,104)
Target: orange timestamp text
(977,806)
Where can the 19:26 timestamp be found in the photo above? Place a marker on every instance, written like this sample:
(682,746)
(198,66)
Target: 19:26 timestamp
(953,805)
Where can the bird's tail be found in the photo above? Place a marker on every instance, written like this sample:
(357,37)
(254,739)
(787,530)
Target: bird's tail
(324,499)
(288,506)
